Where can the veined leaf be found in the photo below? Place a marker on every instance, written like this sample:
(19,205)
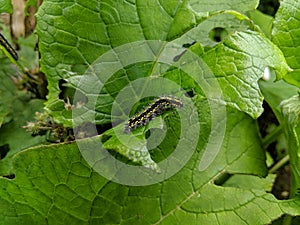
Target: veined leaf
(101,49)
(238,67)
(54,185)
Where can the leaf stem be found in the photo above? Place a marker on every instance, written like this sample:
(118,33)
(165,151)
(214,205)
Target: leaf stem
(271,137)
(279,164)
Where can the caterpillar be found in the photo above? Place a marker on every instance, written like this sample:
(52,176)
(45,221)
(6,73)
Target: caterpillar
(158,107)
(8,47)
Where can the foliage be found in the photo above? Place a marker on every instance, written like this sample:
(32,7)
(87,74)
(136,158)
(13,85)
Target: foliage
(106,60)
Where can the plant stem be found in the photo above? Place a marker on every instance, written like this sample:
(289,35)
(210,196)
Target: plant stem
(279,164)
(271,137)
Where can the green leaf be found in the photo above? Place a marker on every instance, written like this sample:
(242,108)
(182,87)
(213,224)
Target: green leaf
(53,184)
(7,90)
(228,22)
(264,21)
(81,46)
(251,182)
(137,152)
(6,6)
(216,5)
(7,87)
(291,112)
(16,107)
(229,59)
(238,63)
(28,56)
(68,51)
(12,135)
(69,47)
(275,92)
(285,35)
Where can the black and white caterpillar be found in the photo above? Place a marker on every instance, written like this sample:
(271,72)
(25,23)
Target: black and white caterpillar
(158,107)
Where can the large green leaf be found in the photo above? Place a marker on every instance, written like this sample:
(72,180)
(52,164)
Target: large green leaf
(67,50)
(286,36)
(53,184)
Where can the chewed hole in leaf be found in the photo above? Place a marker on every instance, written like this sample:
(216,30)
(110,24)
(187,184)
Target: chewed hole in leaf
(103,127)
(9,176)
(177,57)
(190,94)
(187,45)
(268,122)
(4,149)
(222,178)
(218,34)
(268,7)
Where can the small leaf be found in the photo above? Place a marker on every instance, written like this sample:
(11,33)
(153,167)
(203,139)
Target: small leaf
(132,147)
(264,21)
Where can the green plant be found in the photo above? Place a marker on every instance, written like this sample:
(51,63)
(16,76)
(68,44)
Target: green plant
(212,54)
